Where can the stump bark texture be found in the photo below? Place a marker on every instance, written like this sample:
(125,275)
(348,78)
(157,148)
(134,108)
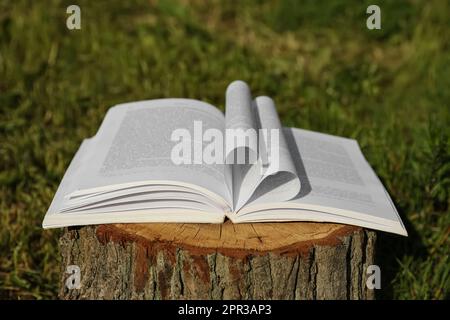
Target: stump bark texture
(218,261)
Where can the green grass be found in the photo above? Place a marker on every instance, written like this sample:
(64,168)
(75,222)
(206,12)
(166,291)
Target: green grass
(389,89)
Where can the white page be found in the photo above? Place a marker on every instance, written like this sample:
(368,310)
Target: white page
(100,196)
(149,197)
(252,179)
(154,215)
(336,179)
(239,116)
(279,180)
(143,205)
(122,193)
(69,179)
(133,146)
(240,150)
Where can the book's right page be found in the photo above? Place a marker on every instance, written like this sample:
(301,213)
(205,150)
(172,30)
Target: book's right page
(337,185)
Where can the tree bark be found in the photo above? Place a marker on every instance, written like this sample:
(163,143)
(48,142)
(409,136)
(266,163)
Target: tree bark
(227,261)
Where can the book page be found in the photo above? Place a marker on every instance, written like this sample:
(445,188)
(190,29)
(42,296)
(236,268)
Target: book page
(260,175)
(336,179)
(136,142)
(71,177)
(339,176)
(274,176)
(240,121)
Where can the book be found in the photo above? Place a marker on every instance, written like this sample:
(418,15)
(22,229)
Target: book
(184,161)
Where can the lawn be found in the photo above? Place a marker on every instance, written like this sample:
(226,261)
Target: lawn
(388,88)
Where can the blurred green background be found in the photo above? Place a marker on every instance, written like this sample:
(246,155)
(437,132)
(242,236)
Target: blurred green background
(388,88)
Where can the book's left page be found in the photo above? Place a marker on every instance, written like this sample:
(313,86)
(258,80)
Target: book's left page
(127,172)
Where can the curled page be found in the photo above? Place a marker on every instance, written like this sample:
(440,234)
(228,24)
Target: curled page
(241,140)
(274,150)
(274,176)
(256,149)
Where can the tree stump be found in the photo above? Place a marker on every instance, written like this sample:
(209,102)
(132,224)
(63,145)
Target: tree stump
(218,261)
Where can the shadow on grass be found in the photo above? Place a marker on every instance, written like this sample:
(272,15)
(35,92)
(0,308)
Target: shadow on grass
(390,248)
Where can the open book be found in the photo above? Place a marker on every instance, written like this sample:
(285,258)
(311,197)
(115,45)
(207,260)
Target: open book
(163,161)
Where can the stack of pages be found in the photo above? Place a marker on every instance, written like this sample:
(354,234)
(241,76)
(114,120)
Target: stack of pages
(183,160)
